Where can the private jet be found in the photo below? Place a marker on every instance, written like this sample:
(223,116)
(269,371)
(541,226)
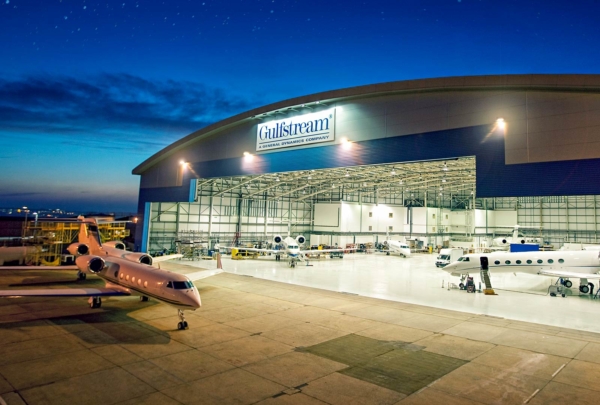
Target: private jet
(124,277)
(289,247)
(582,264)
(398,247)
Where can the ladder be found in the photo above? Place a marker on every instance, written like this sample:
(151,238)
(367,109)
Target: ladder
(485,276)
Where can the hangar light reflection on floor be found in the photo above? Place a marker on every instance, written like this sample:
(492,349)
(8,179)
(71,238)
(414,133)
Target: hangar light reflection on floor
(416,280)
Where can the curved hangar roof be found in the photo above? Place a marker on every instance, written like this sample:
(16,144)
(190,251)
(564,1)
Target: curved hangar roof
(551,120)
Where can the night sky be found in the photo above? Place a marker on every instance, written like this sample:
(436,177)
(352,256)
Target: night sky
(90,89)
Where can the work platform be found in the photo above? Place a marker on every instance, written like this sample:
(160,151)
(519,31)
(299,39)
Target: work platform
(257,341)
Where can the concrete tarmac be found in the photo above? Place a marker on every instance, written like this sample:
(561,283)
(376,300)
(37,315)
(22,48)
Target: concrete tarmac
(257,341)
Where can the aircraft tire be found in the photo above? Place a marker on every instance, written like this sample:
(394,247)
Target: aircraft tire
(552,294)
(568,283)
(461,286)
(584,289)
(185,325)
(563,295)
(180,326)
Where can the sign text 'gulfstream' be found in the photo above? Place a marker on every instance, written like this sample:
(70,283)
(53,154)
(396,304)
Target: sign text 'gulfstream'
(296,131)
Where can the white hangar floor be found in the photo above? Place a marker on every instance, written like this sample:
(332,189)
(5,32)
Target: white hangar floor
(416,280)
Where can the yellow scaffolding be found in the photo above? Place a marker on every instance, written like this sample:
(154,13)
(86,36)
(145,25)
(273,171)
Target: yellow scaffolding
(51,238)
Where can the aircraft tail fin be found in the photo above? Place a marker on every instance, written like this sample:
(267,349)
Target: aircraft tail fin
(89,234)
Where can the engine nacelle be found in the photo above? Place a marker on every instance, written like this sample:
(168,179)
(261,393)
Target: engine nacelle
(277,239)
(138,257)
(300,239)
(90,264)
(117,244)
(78,249)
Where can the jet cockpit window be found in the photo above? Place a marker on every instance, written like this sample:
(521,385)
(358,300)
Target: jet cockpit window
(463,259)
(170,284)
(292,247)
(183,285)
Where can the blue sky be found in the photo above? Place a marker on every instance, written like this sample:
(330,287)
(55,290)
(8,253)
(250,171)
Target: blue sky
(90,89)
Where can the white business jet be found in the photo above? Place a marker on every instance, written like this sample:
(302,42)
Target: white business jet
(503,242)
(396,246)
(124,278)
(581,264)
(289,247)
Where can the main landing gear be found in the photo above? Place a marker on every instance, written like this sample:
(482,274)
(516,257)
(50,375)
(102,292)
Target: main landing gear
(183,324)
(143,298)
(81,275)
(95,302)
(585,287)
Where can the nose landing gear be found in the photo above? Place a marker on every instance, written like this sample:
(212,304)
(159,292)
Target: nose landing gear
(183,324)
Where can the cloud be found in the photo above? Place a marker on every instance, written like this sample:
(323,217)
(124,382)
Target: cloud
(113,107)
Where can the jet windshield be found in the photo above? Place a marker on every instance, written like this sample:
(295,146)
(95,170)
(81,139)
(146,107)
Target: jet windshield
(180,285)
(292,247)
(463,259)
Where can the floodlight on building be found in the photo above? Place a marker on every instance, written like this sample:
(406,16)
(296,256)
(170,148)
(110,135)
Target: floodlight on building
(445,168)
(248,156)
(393,172)
(400,181)
(444,180)
(346,143)
(276,178)
(500,123)
(309,177)
(347,174)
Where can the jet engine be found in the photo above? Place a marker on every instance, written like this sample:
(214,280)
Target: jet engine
(78,249)
(90,264)
(138,257)
(300,239)
(277,239)
(117,244)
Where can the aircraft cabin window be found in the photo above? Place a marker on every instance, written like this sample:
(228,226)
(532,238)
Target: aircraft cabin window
(550,261)
(121,276)
(561,261)
(540,261)
(507,262)
(529,262)
(127,277)
(497,262)
(145,284)
(139,281)
(133,279)
(518,262)
(169,284)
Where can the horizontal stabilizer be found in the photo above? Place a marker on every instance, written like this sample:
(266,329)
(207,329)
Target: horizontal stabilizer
(156,259)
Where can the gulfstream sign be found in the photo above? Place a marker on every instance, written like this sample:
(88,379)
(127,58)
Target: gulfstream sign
(296,131)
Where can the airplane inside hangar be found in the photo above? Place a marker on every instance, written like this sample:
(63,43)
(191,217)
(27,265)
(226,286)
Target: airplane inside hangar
(454,163)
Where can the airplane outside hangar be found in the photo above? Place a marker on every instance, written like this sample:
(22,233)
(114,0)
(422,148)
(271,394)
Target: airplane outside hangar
(438,162)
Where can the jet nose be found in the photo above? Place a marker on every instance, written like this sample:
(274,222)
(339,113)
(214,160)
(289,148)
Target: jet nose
(193,298)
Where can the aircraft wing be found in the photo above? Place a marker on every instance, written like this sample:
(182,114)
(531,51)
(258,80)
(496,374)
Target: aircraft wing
(567,274)
(65,292)
(273,251)
(156,259)
(199,275)
(317,251)
(73,267)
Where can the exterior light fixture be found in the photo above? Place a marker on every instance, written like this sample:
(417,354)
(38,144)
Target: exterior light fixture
(443,180)
(500,123)
(248,156)
(309,177)
(347,174)
(333,186)
(400,181)
(445,168)
(393,172)
(276,178)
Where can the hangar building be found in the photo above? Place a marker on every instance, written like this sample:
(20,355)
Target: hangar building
(458,159)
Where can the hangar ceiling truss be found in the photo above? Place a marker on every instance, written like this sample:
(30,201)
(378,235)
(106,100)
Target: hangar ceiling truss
(427,179)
